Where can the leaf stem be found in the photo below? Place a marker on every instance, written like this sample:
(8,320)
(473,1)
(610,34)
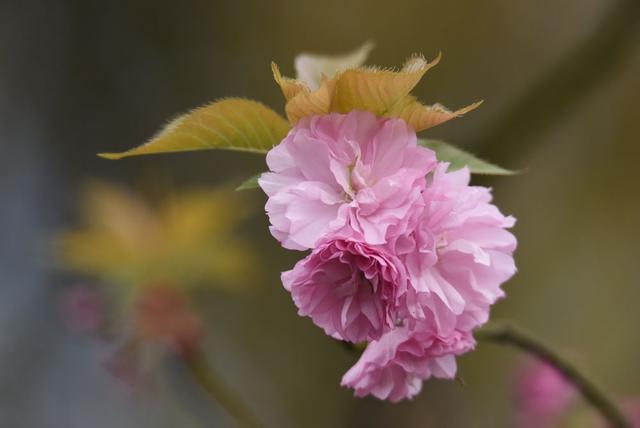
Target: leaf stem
(507,334)
(216,389)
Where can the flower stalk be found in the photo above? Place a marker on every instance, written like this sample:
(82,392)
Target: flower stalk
(507,334)
(197,365)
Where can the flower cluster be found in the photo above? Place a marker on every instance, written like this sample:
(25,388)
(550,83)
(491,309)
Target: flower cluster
(405,255)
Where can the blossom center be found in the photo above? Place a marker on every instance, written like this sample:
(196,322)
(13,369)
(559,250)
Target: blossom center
(441,241)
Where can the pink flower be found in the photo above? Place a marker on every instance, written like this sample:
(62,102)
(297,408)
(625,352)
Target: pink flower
(543,394)
(394,367)
(338,171)
(348,288)
(405,255)
(458,255)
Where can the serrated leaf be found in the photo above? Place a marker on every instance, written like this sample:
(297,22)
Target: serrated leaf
(289,87)
(231,124)
(314,103)
(375,90)
(383,92)
(422,117)
(249,183)
(459,158)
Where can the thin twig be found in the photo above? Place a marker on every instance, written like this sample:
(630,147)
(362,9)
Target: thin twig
(217,390)
(503,333)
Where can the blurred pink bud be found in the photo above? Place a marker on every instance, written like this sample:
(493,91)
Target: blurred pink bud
(83,309)
(631,408)
(162,314)
(542,393)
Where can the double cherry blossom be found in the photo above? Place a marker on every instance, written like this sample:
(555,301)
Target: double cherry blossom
(405,255)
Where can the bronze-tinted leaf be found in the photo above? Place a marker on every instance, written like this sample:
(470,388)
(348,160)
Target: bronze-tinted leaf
(378,91)
(290,87)
(307,103)
(422,117)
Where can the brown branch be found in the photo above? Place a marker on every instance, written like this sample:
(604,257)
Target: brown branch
(509,335)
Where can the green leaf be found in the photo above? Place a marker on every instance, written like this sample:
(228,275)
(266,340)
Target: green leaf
(249,183)
(232,124)
(459,158)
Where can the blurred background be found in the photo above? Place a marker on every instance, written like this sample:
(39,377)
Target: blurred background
(561,83)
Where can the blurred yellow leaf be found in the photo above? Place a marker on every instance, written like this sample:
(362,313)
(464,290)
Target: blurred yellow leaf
(232,124)
(188,238)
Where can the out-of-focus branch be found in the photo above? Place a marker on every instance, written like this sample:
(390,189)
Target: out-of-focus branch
(565,84)
(215,388)
(506,334)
